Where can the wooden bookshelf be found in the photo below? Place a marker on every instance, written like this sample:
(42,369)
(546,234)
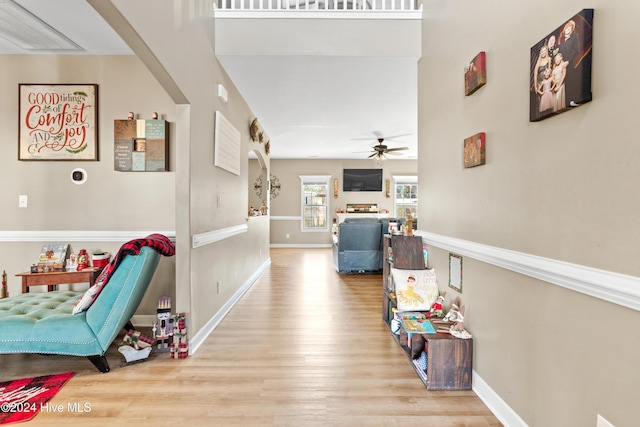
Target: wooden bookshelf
(449,359)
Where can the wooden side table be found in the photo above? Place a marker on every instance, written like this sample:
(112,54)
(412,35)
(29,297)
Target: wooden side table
(53,278)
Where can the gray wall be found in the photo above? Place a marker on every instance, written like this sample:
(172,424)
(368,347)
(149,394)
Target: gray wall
(563,188)
(286,206)
(177,45)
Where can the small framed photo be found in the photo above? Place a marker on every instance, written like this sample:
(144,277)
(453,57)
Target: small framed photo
(475,74)
(58,122)
(54,255)
(455,272)
(474,150)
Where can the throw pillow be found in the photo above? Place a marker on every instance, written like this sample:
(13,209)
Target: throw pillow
(416,290)
(90,294)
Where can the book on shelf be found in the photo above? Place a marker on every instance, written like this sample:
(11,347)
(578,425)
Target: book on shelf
(418,326)
(390,285)
(415,323)
(421,373)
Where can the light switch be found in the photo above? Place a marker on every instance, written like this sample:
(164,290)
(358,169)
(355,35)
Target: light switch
(22,201)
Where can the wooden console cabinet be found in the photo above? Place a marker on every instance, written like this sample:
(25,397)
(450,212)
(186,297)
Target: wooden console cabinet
(449,359)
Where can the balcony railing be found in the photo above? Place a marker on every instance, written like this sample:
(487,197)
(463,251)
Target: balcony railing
(314,7)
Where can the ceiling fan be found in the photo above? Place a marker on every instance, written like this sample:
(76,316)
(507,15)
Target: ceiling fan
(380,150)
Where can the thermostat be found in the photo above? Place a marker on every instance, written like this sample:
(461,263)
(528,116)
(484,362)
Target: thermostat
(78,176)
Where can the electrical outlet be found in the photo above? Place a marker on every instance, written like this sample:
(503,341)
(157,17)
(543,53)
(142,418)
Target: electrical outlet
(219,286)
(287,235)
(23,201)
(601,422)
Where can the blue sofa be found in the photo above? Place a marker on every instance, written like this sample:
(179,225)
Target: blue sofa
(43,322)
(358,246)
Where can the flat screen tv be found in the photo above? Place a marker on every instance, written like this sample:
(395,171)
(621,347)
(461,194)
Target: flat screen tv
(362,180)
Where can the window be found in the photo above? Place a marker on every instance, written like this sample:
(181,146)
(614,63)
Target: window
(315,203)
(406,196)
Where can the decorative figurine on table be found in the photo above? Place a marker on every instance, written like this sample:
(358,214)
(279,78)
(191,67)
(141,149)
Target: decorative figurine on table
(454,314)
(72,262)
(454,322)
(163,328)
(83,260)
(436,307)
(408,226)
(457,329)
(263,208)
(4,291)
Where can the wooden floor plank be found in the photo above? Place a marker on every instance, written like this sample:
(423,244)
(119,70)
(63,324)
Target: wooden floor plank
(305,346)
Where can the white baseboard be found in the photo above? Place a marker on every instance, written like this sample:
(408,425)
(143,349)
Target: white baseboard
(198,339)
(499,407)
(146,320)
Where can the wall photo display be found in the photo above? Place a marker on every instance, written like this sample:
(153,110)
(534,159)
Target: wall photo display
(58,122)
(560,68)
(474,150)
(141,145)
(475,74)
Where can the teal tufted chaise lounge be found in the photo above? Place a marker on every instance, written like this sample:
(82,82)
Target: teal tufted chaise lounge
(43,322)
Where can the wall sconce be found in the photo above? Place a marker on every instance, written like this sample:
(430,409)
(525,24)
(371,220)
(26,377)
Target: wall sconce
(335,187)
(387,186)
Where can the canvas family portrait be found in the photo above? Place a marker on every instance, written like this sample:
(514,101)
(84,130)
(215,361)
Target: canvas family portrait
(475,74)
(561,68)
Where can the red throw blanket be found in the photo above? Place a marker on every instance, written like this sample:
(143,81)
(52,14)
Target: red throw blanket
(159,242)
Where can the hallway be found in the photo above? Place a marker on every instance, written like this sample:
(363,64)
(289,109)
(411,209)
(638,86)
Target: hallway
(303,347)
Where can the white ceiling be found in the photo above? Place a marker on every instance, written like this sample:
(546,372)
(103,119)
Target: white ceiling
(77,20)
(332,107)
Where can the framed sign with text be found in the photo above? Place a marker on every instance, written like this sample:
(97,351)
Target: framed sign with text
(58,122)
(227,146)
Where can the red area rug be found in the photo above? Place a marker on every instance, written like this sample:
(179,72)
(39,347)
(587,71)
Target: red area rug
(21,400)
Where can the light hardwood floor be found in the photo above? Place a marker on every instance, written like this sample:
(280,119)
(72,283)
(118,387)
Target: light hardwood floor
(303,347)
